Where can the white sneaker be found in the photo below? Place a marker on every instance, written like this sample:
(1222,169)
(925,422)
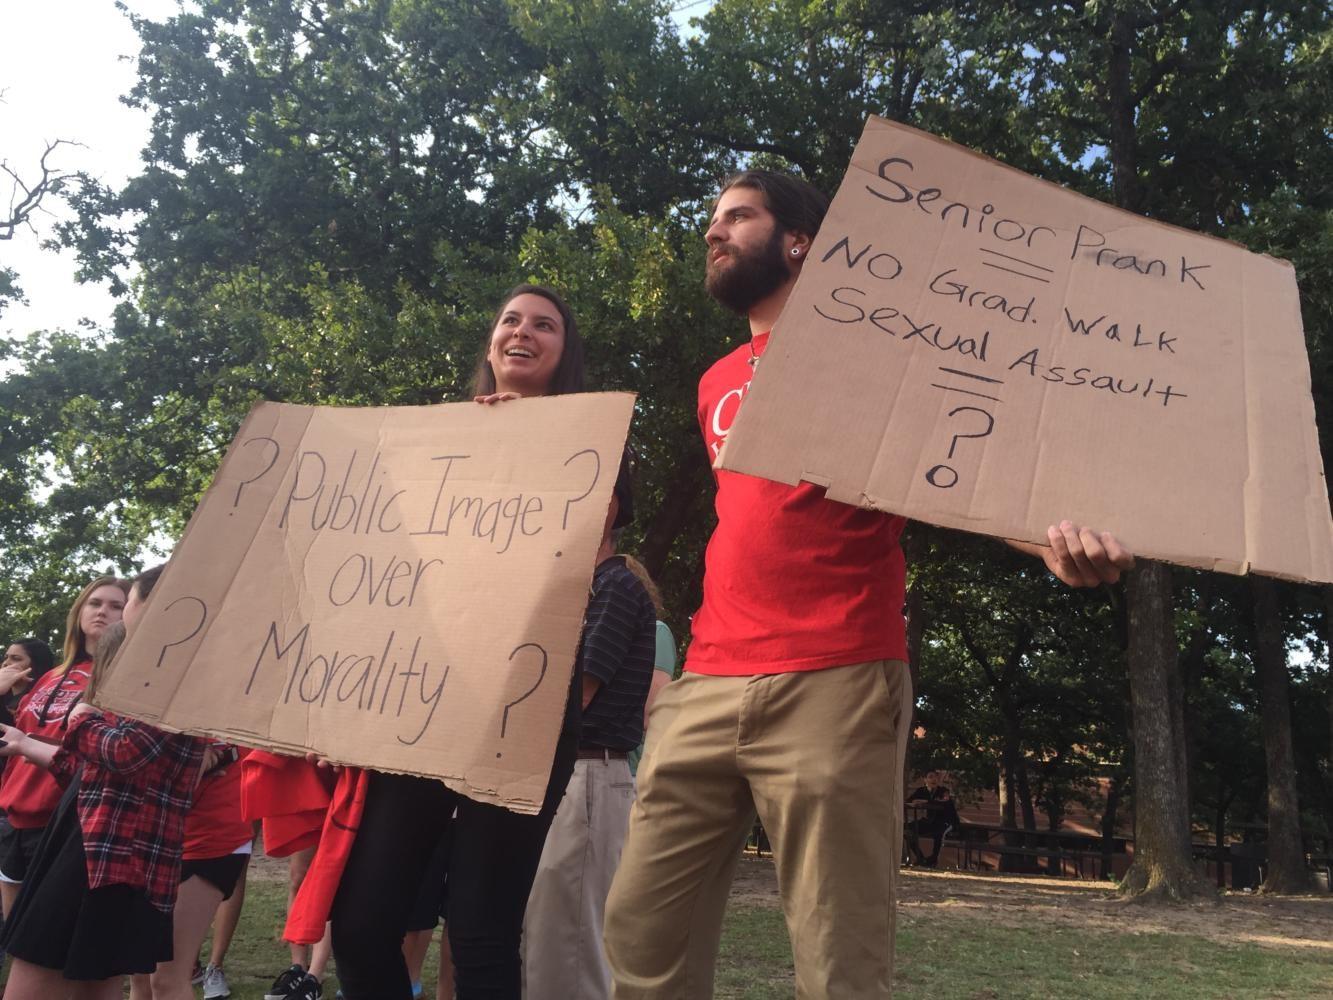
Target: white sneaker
(215,984)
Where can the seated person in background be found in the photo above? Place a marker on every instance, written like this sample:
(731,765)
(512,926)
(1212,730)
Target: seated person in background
(940,817)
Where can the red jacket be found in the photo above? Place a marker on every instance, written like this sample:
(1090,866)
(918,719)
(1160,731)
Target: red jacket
(309,912)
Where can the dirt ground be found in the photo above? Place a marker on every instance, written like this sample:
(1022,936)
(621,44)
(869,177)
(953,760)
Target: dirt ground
(1300,922)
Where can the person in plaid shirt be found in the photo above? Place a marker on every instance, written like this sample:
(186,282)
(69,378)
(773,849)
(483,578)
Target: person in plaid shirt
(99,901)
(134,791)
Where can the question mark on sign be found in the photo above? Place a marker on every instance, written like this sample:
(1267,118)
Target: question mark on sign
(277,450)
(596,473)
(203,617)
(946,476)
(504,719)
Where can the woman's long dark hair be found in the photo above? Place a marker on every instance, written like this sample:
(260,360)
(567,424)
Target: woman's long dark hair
(40,654)
(568,375)
(43,659)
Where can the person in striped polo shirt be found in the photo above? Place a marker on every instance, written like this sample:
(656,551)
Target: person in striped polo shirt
(563,957)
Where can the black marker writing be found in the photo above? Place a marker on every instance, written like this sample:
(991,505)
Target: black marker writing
(277,450)
(494,519)
(359,576)
(365,680)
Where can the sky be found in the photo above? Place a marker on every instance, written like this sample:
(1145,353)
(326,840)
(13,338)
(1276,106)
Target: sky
(66,65)
(62,76)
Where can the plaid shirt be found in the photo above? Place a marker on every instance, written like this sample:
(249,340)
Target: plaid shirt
(135,788)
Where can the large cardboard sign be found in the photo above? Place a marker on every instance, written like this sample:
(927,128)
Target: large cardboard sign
(400,588)
(979,349)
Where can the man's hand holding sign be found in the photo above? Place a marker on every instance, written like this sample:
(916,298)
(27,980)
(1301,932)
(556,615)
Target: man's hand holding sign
(1080,557)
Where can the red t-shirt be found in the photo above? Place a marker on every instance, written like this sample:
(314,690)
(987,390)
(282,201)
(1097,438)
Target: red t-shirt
(214,826)
(28,793)
(792,581)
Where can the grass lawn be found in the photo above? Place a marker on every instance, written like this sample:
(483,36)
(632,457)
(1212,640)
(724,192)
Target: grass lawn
(1017,945)
(974,959)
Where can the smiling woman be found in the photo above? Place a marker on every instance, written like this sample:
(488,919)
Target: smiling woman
(533,349)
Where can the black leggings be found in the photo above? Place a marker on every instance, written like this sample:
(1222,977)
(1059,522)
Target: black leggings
(491,868)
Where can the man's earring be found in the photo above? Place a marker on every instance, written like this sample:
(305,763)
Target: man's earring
(795,252)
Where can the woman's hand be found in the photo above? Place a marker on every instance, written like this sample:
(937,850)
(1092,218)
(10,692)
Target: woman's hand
(497,397)
(212,754)
(82,709)
(318,761)
(14,675)
(17,743)
(12,741)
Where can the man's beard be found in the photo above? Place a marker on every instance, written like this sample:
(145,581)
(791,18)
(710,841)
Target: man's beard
(748,278)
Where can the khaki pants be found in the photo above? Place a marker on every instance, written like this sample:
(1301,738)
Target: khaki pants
(562,950)
(819,756)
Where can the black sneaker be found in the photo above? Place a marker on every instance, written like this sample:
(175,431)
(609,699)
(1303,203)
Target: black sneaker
(309,988)
(287,985)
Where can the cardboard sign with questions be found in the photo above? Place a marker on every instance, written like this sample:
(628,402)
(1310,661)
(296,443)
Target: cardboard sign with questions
(399,588)
(973,347)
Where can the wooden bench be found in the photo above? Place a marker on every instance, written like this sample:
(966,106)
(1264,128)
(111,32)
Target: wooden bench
(1056,854)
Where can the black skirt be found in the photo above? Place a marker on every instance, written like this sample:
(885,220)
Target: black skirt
(17,848)
(87,934)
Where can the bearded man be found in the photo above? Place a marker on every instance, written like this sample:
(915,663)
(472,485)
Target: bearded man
(795,701)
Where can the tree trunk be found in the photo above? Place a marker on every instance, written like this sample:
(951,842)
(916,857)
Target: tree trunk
(916,628)
(1224,797)
(1176,702)
(1055,817)
(1025,794)
(1124,146)
(1286,854)
(674,513)
(1011,789)
(1006,795)
(1328,640)
(1162,868)
(1328,780)
(1009,818)
(1108,825)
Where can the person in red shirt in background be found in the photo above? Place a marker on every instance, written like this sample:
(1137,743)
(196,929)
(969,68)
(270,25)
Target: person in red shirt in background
(291,796)
(28,794)
(796,696)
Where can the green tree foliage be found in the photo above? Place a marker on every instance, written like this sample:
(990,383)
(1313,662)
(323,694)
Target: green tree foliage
(1022,680)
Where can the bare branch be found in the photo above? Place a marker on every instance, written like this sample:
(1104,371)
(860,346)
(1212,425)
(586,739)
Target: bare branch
(24,199)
